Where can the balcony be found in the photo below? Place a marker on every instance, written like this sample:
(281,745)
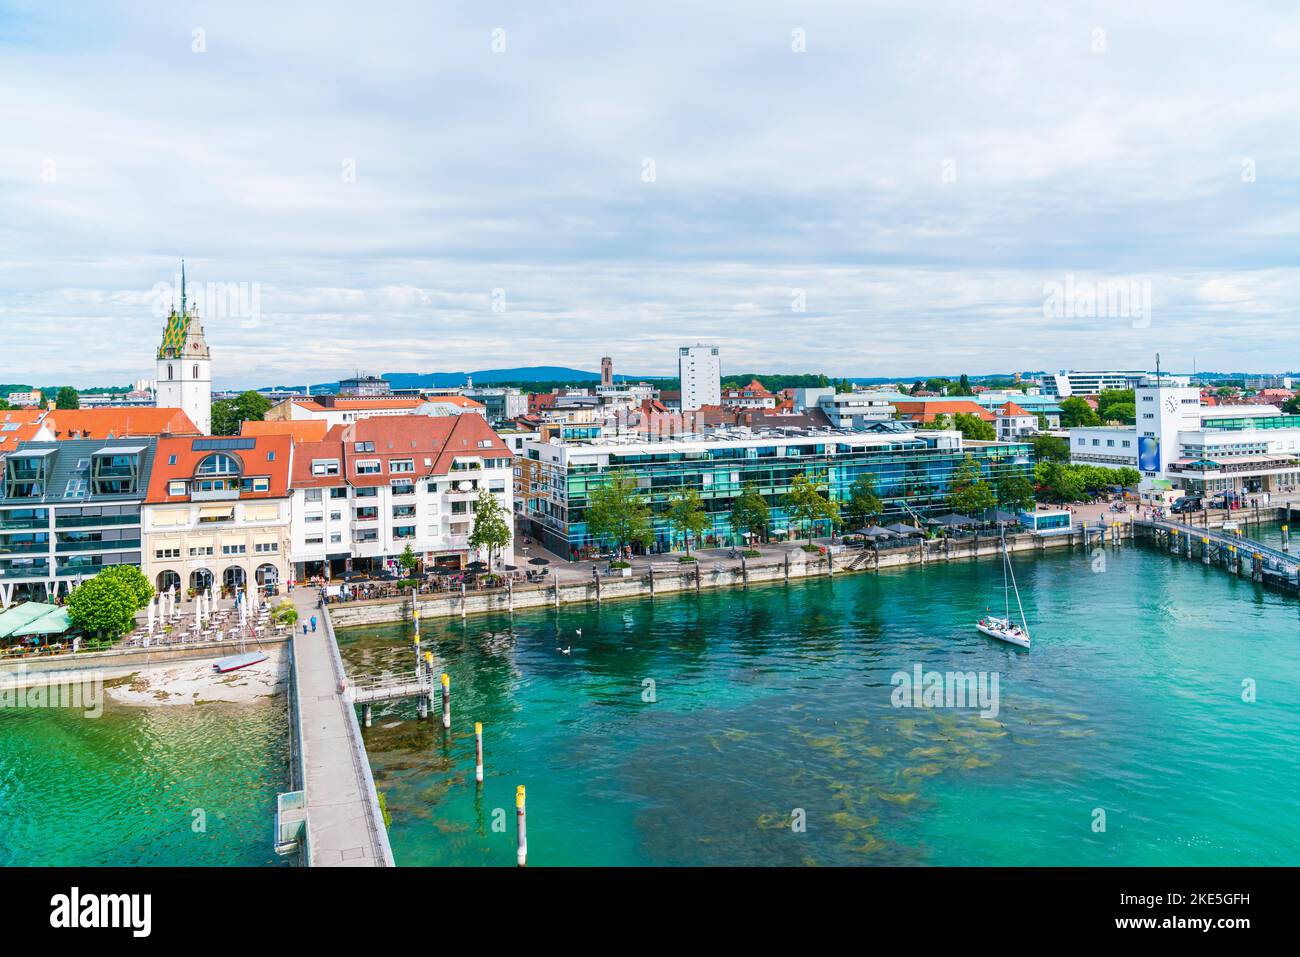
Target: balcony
(37,570)
(24,548)
(101,546)
(8,524)
(216,495)
(90,521)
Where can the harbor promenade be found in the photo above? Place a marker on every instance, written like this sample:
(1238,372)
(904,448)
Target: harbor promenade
(345,827)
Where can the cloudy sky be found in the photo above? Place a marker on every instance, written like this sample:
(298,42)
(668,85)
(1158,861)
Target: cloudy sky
(861,188)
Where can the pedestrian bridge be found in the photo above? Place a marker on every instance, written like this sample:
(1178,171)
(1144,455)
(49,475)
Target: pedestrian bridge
(1276,566)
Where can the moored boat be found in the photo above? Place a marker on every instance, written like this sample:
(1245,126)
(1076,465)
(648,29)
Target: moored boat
(235,662)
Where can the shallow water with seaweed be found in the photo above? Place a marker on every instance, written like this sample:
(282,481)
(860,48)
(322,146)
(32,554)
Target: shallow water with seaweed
(692,729)
(161,786)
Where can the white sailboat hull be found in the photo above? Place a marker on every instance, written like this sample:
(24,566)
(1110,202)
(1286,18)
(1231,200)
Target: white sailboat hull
(1004,631)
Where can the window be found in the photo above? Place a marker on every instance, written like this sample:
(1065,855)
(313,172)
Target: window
(313,519)
(164,553)
(324,466)
(240,549)
(401,532)
(218,464)
(270,456)
(396,466)
(339,492)
(368,467)
(312,495)
(171,460)
(202,551)
(336,538)
(365,446)
(336,516)
(266,548)
(170,375)
(314,540)
(196,372)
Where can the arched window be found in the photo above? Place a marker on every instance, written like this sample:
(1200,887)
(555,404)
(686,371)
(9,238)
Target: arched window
(196,372)
(170,376)
(218,464)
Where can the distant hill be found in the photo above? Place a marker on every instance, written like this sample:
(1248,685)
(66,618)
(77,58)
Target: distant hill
(443,380)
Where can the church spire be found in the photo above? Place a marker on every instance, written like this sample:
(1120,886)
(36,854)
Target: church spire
(182,287)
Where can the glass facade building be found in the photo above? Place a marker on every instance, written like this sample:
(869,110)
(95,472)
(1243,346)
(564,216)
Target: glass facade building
(912,470)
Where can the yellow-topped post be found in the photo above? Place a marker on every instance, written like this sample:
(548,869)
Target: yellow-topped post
(478,751)
(521,827)
(446,700)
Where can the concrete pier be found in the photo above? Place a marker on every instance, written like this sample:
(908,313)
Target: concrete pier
(345,827)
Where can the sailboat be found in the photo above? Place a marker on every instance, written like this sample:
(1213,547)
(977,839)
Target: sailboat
(1004,629)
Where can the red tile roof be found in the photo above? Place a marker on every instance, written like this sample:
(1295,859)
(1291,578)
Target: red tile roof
(437,440)
(117,423)
(928,411)
(300,430)
(1010,408)
(271,457)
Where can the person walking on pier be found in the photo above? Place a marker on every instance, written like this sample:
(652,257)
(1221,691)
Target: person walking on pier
(313,623)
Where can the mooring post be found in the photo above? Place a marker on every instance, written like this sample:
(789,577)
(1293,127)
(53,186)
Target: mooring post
(1286,533)
(510,590)
(652,581)
(521,827)
(787,565)
(595,573)
(557,592)
(446,700)
(478,751)
(428,676)
(830,562)
(365,713)
(744,570)
(462,598)
(697,575)
(1205,550)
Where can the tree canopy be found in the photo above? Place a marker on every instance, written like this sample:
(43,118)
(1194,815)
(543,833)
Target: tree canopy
(619,513)
(809,505)
(106,604)
(750,512)
(229,414)
(687,516)
(970,494)
(863,506)
(491,525)
(1075,412)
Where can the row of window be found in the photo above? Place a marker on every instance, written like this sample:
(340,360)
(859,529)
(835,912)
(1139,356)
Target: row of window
(207,551)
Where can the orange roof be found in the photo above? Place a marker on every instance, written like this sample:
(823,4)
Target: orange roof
(176,459)
(431,442)
(463,401)
(355,403)
(300,430)
(1010,408)
(19,425)
(116,423)
(928,411)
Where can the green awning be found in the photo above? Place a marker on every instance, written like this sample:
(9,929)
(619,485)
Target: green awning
(21,615)
(54,623)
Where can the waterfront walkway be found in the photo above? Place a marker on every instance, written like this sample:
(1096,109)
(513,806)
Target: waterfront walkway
(345,828)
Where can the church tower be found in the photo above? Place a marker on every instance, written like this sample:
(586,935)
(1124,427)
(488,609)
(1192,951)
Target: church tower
(185,366)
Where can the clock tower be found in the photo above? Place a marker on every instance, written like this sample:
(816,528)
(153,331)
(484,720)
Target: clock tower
(184,379)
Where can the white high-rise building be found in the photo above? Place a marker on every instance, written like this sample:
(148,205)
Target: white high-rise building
(185,366)
(700,371)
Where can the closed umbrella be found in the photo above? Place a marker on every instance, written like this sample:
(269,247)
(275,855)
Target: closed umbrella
(151,601)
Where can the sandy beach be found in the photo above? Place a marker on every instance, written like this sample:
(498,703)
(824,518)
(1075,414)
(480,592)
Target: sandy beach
(194,682)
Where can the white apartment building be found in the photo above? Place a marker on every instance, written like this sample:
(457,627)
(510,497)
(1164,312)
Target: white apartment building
(700,370)
(1066,384)
(370,489)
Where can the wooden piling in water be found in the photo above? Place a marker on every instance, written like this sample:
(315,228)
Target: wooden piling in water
(652,581)
(446,700)
(462,598)
(428,671)
(478,751)
(365,714)
(521,828)
(744,570)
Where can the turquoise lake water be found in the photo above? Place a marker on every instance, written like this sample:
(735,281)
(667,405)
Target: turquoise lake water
(122,789)
(779,698)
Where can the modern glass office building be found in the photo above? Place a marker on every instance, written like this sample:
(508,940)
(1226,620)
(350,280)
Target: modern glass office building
(912,469)
(67,510)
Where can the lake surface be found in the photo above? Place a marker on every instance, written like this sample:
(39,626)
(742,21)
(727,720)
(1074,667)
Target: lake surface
(123,789)
(778,698)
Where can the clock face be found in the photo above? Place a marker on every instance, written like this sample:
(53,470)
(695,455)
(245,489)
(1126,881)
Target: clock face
(1171,404)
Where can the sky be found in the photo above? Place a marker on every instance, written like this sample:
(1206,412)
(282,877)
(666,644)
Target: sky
(855,188)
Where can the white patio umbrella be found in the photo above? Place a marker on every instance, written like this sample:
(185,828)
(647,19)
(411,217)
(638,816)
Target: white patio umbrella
(151,616)
(176,599)
(252,594)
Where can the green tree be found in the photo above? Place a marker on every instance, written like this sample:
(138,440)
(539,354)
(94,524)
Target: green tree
(106,604)
(408,560)
(972,426)
(1058,482)
(864,506)
(687,516)
(750,512)
(1050,448)
(1117,405)
(285,613)
(491,525)
(1292,405)
(618,513)
(1128,478)
(970,494)
(1075,413)
(229,414)
(963,386)
(808,505)
(67,398)
(1015,493)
